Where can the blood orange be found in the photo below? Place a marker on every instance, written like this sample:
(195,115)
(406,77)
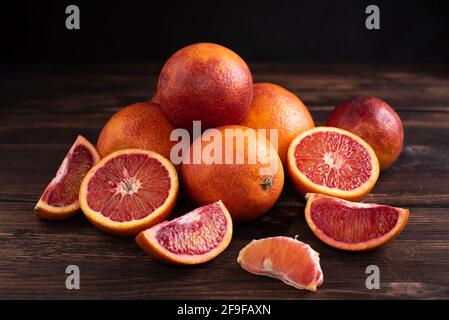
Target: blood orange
(242,187)
(205,82)
(140,125)
(60,198)
(196,237)
(353,226)
(332,161)
(128,191)
(376,122)
(274,107)
(287,259)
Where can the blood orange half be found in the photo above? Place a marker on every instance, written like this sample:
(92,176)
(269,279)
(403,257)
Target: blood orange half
(353,226)
(196,237)
(287,259)
(332,161)
(128,191)
(60,198)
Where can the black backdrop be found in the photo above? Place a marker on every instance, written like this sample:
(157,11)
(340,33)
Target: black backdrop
(315,30)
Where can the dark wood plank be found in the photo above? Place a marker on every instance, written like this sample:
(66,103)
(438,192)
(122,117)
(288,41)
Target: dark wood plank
(43,108)
(35,254)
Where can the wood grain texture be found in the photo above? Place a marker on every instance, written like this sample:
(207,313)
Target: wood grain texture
(44,107)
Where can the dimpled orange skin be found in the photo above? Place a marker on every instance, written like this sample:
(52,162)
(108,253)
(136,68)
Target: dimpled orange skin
(376,122)
(205,82)
(243,189)
(274,107)
(141,125)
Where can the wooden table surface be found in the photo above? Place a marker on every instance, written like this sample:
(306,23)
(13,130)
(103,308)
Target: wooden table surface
(44,107)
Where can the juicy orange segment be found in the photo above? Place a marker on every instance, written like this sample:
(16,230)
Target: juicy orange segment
(60,198)
(287,259)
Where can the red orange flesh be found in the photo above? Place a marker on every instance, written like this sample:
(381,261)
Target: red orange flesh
(128,191)
(332,161)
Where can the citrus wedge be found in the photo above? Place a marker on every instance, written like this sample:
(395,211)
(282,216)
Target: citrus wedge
(196,237)
(353,226)
(60,198)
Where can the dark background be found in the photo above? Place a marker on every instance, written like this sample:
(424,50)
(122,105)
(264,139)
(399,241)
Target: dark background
(260,31)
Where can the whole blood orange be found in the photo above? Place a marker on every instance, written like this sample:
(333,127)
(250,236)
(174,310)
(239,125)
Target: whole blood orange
(140,125)
(196,237)
(376,122)
(128,191)
(332,161)
(287,259)
(274,107)
(205,82)
(353,226)
(248,188)
(60,198)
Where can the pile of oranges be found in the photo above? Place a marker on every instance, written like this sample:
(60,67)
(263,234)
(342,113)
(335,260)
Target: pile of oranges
(250,133)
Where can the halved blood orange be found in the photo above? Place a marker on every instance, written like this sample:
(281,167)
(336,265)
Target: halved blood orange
(353,226)
(60,198)
(196,237)
(287,259)
(128,191)
(332,161)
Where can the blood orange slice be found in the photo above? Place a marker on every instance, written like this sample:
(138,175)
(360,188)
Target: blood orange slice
(60,198)
(196,237)
(129,191)
(332,161)
(353,226)
(287,259)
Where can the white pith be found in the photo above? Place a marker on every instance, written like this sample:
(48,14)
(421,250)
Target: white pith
(129,185)
(189,218)
(267,264)
(62,171)
(332,160)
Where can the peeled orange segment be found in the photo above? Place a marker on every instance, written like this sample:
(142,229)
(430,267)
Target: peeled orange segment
(129,191)
(287,259)
(353,226)
(60,198)
(332,161)
(196,237)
